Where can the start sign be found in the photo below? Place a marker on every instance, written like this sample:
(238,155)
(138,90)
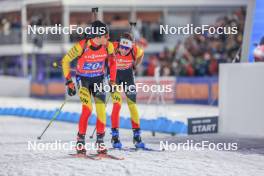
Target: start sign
(202,125)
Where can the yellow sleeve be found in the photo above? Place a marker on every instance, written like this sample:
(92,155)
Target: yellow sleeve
(140,52)
(110,48)
(72,54)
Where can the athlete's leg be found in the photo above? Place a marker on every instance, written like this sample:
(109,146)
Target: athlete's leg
(115,115)
(115,118)
(135,121)
(131,95)
(131,102)
(85,98)
(101,112)
(99,98)
(117,103)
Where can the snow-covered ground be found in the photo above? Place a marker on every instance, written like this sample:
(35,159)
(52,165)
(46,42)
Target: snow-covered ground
(16,159)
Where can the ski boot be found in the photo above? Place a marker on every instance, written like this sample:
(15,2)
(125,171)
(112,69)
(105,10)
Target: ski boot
(80,144)
(100,144)
(115,139)
(137,139)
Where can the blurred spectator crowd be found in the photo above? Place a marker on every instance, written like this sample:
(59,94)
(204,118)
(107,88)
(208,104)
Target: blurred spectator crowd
(198,55)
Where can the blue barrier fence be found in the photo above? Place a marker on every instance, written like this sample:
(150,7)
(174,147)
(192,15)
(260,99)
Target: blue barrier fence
(160,124)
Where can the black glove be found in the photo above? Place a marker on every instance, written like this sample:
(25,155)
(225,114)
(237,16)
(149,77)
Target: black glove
(134,67)
(70,87)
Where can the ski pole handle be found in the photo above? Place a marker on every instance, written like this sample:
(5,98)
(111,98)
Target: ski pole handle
(132,24)
(94,13)
(56,65)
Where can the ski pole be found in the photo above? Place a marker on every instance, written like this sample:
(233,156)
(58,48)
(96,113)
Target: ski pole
(132,26)
(91,137)
(53,118)
(132,29)
(94,13)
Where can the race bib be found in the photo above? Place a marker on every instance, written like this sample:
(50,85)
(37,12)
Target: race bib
(93,66)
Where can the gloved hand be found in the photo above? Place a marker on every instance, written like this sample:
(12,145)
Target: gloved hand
(134,67)
(70,87)
(112,83)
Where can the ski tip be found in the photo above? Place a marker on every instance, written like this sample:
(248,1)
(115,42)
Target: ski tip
(147,149)
(107,156)
(76,155)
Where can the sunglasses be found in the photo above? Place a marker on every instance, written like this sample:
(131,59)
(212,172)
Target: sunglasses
(124,47)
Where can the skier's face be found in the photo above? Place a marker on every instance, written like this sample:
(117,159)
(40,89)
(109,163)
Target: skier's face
(124,50)
(103,39)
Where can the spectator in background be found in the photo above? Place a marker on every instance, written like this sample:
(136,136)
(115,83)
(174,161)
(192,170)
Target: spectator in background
(153,63)
(117,21)
(261,41)
(16,24)
(36,20)
(200,55)
(259,51)
(6,26)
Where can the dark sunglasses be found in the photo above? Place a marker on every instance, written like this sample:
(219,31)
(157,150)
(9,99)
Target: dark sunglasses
(124,47)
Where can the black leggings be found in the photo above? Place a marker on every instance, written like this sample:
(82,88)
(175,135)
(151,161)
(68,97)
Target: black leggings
(126,77)
(90,83)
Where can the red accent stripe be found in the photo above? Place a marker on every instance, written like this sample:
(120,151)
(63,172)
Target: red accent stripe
(115,115)
(100,126)
(68,77)
(86,112)
(112,67)
(134,125)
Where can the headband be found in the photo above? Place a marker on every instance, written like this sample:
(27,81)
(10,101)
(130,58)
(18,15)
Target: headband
(126,42)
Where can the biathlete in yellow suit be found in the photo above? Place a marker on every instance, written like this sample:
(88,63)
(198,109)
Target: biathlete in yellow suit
(128,56)
(92,55)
